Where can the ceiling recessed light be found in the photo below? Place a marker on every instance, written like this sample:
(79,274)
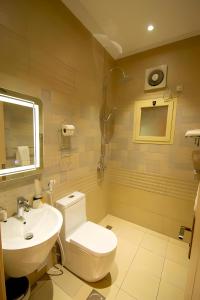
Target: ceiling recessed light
(150,27)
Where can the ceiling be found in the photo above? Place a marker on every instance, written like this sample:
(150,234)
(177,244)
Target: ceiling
(121,25)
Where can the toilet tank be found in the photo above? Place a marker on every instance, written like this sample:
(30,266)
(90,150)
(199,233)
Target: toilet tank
(73,209)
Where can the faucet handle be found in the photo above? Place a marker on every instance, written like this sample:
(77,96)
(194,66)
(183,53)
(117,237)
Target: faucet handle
(27,207)
(21,200)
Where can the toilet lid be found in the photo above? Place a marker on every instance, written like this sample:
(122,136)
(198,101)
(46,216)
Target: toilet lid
(94,238)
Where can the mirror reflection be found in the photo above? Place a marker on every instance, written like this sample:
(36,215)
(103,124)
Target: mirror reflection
(153,121)
(18,144)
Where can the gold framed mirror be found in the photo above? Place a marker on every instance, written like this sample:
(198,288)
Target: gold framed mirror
(154,121)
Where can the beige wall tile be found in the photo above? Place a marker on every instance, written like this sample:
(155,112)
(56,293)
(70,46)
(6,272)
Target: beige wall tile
(153,210)
(160,210)
(48,53)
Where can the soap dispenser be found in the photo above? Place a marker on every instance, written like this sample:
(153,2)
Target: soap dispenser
(38,194)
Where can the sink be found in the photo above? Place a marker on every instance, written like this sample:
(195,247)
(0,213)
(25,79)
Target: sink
(26,246)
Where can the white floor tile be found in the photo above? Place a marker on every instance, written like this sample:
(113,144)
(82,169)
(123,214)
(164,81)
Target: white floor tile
(141,285)
(68,282)
(115,222)
(124,296)
(38,285)
(148,266)
(179,243)
(50,291)
(175,274)
(124,256)
(177,254)
(154,244)
(158,235)
(168,291)
(109,292)
(147,261)
(131,234)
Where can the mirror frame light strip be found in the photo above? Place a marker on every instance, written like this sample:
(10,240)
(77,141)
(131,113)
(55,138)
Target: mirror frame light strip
(15,100)
(35,107)
(4,172)
(36,135)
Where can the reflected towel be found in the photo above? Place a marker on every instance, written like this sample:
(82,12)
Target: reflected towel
(197,197)
(23,155)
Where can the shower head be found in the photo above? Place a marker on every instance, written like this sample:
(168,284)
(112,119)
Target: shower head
(125,76)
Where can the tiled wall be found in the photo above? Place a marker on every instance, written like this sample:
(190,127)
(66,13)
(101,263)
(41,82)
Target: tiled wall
(174,160)
(146,188)
(45,52)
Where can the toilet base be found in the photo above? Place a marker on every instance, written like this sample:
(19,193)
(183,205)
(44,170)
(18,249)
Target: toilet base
(89,267)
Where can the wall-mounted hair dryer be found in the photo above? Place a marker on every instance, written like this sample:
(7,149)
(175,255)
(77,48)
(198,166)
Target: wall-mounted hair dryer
(194,133)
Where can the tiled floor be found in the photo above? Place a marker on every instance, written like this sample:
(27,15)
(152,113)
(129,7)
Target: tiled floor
(148,266)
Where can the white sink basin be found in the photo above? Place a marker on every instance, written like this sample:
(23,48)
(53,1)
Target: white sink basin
(23,256)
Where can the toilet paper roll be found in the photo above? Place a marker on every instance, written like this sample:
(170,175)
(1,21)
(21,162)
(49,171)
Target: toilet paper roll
(68,130)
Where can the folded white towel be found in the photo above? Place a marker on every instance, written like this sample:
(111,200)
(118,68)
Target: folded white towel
(197,197)
(23,156)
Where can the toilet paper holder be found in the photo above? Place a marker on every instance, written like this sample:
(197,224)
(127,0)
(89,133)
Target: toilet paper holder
(67,129)
(181,235)
(65,133)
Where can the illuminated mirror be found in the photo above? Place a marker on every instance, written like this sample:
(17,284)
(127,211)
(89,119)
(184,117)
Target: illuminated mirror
(154,121)
(21,133)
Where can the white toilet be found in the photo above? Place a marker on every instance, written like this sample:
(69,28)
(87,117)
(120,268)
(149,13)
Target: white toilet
(89,248)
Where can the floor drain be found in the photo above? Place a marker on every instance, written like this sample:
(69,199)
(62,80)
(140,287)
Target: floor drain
(94,295)
(28,236)
(109,227)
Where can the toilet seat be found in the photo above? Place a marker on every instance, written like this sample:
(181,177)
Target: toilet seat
(94,238)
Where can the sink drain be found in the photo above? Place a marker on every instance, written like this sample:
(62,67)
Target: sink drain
(109,227)
(28,236)
(94,295)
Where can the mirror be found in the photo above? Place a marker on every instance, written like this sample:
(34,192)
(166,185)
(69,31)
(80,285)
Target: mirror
(20,132)
(154,121)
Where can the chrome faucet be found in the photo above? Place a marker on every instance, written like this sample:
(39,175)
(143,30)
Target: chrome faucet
(22,205)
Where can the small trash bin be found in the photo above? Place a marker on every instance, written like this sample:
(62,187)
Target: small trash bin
(17,288)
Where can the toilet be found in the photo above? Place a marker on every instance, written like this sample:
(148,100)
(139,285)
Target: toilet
(89,248)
